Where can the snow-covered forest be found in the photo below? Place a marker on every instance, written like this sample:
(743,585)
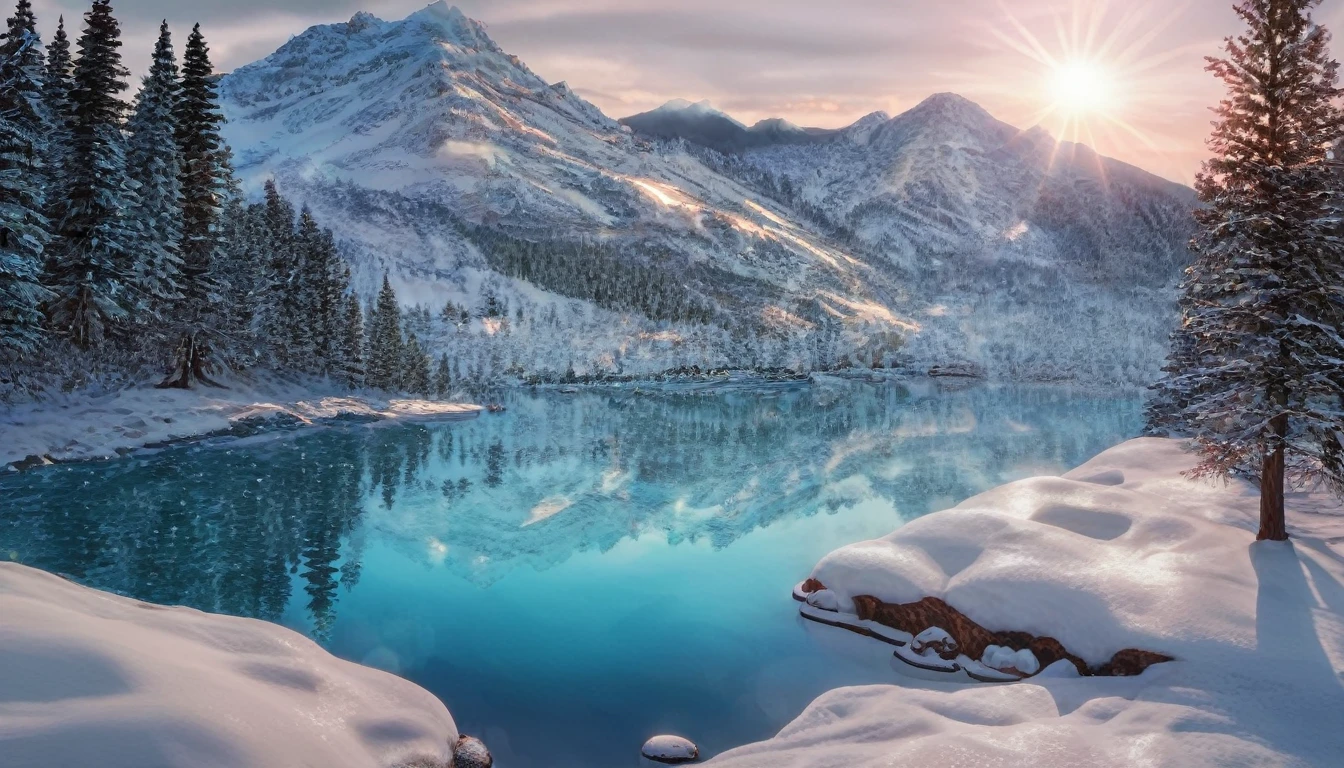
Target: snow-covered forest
(129,249)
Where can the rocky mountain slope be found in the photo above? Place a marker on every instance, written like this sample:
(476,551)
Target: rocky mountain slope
(444,160)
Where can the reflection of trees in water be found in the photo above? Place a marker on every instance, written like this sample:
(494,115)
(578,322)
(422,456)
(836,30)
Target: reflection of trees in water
(234,530)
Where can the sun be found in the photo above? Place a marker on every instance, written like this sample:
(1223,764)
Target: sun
(1080,88)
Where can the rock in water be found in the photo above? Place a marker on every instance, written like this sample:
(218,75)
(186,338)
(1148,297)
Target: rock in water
(670,749)
(470,752)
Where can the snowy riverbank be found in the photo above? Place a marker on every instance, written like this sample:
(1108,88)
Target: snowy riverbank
(95,679)
(1121,552)
(76,427)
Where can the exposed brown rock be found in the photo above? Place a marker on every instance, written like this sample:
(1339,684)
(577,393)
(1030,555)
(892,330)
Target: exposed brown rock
(1131,661)
(811,585)
(972,639)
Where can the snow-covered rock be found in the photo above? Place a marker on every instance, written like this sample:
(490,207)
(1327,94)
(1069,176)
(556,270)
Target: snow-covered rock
(92,679)
(1123,551)
(824,599)
(470,752)
(670,749)
(936,638)
(1006,659)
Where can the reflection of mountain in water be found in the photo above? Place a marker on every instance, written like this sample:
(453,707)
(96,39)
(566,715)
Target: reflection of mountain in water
(230,529)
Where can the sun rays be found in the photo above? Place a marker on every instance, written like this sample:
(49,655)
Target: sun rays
(1096,66)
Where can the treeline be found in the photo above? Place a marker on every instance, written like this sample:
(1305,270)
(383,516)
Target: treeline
(126,242)
(595,272)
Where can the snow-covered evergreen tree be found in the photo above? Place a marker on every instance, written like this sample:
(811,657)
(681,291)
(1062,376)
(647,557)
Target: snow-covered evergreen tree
(58,81)
(1256,362)
(352,343)
(203,168)
(152,161)
(275,297)
(202,173)
(24,230)
(94,254)
(385,342)
(443,378)
(415,375)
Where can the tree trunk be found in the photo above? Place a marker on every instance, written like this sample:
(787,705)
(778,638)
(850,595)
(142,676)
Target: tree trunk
(1272,526)
(192,362)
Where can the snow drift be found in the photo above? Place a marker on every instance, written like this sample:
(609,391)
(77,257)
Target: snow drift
(1121,552)
(89,678)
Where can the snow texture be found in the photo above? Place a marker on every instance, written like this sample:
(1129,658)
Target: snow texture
(1121,552)
(81,427)
(670,749)
(939,226)
(96,679)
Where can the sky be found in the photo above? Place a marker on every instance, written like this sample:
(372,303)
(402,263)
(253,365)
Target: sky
(1124,77)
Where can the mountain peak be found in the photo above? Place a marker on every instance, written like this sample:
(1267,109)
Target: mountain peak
(451,25)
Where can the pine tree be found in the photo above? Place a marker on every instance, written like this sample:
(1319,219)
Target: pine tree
(352,343)
(24,230)
(443,378)
(94,256)
(415,368)
(202,177)
(1258,373)
(203,181)
(385,342)
(58,82)
(275,302)
(152,161)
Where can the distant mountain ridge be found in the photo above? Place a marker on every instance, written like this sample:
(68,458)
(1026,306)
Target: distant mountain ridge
(444,160)
(702,124)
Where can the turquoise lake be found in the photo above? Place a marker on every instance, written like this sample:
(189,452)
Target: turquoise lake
(578,573)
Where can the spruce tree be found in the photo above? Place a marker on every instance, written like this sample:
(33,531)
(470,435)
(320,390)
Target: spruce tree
(202,173)
(152,161)
(415,375)
(385,342)
(24,230)
(275,298)
(94,256)
(352,342)
(443,378)
(203,182)
(1255,366)
(58,81)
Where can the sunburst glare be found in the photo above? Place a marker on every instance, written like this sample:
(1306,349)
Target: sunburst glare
(1096,66)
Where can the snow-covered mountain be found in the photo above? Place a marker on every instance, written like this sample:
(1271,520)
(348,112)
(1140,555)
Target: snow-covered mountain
(702,124)
(439,157)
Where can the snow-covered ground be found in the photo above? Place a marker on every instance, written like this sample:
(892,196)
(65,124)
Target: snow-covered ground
(88,678)
(1121,552)
(80,427)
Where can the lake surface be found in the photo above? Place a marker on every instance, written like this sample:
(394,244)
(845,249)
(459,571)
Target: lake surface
(578,573)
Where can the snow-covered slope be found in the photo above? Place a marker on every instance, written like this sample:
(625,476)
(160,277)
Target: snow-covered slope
(406,135)
(1121,552)
(90,678)
(438,156)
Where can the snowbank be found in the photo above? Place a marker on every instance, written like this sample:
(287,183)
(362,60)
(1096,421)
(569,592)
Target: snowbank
(1121,552)
(88,678)
(76,427)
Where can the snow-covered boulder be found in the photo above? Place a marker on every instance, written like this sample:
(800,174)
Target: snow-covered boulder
(824,599)
(1122,552)
(935,638)
(670,749)
(92,679)
(470,752)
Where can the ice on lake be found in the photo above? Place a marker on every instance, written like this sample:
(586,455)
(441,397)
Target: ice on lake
(574,575)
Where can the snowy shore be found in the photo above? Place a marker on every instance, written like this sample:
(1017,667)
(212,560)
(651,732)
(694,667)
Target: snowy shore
(90,678)
(75,427)
(1121,552)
